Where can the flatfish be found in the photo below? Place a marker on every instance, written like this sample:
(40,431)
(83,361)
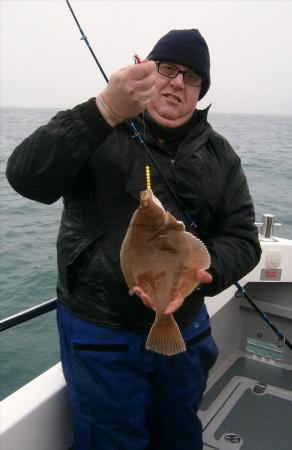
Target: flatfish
(162,259)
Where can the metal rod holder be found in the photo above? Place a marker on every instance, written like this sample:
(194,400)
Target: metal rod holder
(266,227)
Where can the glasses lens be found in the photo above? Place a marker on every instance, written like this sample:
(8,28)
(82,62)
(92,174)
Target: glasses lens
(171,71)
(167,69)
(193,79)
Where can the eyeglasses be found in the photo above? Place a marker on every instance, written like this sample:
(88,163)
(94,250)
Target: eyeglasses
(171,71)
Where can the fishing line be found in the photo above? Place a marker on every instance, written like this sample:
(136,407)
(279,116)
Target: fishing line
(137,60)
(136,135)
(242,293)
(122,27)
(145,139)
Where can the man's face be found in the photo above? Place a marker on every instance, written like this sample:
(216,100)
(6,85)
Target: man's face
(173,101)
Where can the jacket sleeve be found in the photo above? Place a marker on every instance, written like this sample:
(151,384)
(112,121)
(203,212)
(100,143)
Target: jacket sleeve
(46,164)
(233,242)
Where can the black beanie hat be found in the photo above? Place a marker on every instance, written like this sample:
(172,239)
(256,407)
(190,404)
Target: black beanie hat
(186,47)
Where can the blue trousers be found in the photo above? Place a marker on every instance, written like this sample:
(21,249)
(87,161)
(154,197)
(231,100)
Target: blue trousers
(124,397)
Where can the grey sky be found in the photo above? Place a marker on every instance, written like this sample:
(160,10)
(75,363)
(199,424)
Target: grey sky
(45,64)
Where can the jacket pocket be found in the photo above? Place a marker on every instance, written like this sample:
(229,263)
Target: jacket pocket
(80,260)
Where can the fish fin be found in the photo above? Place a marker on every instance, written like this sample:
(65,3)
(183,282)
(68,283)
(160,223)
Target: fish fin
(199,259)
(199,253)
(125,256)
(165,336)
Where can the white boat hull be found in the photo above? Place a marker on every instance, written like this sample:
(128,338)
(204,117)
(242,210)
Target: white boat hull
(37,416)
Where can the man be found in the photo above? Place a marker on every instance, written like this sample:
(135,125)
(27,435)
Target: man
(124,397)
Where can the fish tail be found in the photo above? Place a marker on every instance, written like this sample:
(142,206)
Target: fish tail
(165,336)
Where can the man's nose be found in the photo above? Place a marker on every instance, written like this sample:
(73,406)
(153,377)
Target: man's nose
(178,81)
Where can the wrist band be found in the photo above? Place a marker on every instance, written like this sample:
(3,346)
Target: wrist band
(112,115)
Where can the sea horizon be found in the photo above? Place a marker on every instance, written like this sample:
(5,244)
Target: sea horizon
(60,108)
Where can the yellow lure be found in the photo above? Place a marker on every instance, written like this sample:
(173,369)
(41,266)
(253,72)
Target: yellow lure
(148,182)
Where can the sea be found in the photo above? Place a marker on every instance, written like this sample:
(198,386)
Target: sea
(28,229)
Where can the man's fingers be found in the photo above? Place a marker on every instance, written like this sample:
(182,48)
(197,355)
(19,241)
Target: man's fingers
(128,92)
(143,70)
(143,296)
(137,72)
(174,305)
(203,277)
(143,96)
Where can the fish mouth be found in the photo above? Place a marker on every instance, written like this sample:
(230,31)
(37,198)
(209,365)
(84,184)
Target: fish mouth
(147,196)
(173,97)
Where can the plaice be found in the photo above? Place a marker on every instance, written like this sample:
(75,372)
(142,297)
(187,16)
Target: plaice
(161,258)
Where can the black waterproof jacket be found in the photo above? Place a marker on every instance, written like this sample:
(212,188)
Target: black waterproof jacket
(99,171)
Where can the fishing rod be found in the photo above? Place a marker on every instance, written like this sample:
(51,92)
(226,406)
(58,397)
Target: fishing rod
(136,134)
(242,293)
(84,38)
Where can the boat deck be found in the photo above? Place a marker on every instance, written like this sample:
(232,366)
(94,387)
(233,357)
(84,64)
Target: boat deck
(249,407)
(248,402)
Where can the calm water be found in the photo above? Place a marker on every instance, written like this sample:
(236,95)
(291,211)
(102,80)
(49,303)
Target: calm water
(29,229)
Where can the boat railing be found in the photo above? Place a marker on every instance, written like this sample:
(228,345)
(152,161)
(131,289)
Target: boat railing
(28,314)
